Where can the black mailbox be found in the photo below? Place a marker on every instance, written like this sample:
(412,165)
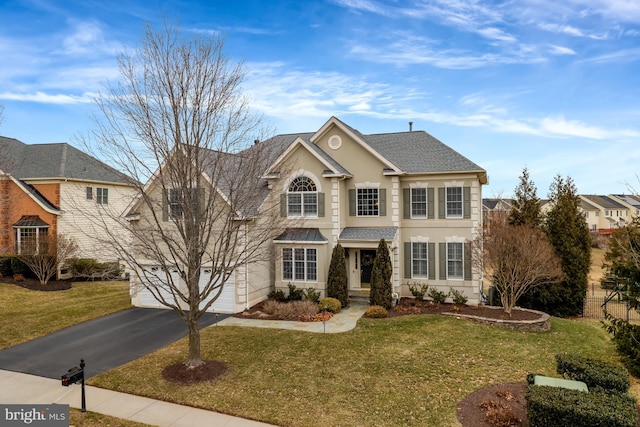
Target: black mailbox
(74,375)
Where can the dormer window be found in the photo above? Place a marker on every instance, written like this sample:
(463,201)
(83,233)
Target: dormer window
(302,197)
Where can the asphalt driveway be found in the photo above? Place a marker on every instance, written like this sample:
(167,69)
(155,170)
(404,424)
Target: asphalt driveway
(104,343)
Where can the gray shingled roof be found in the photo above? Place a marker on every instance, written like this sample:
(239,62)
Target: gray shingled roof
(301,235)
(419,152)
(368,233)
(59,160)
(604,201)
(631,199)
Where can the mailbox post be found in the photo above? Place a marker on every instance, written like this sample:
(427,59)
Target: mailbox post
(74,375)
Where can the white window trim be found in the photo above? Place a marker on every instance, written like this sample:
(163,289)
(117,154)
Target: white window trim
(367,188)
(297,174)
(293,266)
(426,202)
(426,243)
(446,203)
(458,241)
(18,238)
(311,176)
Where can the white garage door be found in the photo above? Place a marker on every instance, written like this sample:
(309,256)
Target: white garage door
(158,278)
(226,301)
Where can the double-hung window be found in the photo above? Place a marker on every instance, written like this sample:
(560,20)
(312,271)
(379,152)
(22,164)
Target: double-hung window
(418,203)
(300,264)
(454,202)
(102,196)
(455,260)
(174,203)
(419,260)
(31,240)
(368,202)
(302,197)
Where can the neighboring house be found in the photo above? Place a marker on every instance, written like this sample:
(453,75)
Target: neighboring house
(631,201)
(337,185)
(495,210)
(53,189)
(608,214)
(591,214)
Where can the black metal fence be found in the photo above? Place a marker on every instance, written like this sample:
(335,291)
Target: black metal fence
(594,307)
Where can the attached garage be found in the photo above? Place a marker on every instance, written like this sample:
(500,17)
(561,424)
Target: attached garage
(226,302)
(158,278)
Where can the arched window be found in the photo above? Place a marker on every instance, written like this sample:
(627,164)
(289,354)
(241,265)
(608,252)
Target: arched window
(302,197)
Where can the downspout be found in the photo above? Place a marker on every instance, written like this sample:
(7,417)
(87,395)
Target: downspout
(246,271)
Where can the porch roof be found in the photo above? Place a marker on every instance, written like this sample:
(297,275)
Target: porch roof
(368,233)
(301,235)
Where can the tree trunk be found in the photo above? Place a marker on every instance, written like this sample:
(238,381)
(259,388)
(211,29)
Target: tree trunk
(194,360)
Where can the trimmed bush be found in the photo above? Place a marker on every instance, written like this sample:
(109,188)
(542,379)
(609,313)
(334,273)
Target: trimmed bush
(19,267)
(593,372)
(290,310)
(277,295)
(418,289)
(295,294)
(337,281)
(89,268)
(5,266)
(560,407)
(330,304)
(376,312)
(310,294)
(458,297)
(381,286)
(439,297)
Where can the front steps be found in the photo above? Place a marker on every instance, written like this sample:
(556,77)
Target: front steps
(359,297)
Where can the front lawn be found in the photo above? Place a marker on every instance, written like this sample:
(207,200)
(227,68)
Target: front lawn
(409,370)
(27,314)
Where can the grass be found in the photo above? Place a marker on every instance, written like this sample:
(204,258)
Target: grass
(92,419)
(26,314)
(401,371)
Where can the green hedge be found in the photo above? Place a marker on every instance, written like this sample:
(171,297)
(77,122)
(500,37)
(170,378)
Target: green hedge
(594,373)
(89,268)
(560,407)
(11,264)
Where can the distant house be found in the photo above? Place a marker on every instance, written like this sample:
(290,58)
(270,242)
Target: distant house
(631,201)
(605,213)
(49,189)
(495,209)
(338,185)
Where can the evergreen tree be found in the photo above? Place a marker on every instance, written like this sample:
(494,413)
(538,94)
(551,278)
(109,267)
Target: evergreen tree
(381,288)
(526,205)
(568,232)
(337,286)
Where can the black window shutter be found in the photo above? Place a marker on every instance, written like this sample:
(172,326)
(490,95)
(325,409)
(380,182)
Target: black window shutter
(407,260)
(352,202)
(430,203)
(382,202)
(441,204)
(320,204)
(406,202)
(467,261)
(466,202)
(442,249)
(431,255)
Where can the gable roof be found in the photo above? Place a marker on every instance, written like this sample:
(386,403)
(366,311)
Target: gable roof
(57,160)
(630,199)
(415,152)
(603,201)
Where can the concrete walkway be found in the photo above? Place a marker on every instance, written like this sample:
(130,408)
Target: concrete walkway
(341,322)
(19,388)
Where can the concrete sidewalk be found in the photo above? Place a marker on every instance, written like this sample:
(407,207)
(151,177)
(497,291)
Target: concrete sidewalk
(18,388)
(341,322)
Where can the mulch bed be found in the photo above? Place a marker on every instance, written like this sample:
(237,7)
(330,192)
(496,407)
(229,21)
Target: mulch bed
(412,306)
(179,373)
(501,405)
(34,284)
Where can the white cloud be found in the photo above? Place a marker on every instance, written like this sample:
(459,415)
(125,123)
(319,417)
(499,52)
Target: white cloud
(44,98)
(561,50)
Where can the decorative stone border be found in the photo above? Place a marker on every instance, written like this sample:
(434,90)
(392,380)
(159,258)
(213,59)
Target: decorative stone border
(542,324)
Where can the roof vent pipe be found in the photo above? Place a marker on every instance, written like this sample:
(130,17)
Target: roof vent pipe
(256,141)
(410,126)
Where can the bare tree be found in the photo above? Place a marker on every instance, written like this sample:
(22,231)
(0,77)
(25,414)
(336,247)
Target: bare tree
(46,254)
(178,120)
(516,259)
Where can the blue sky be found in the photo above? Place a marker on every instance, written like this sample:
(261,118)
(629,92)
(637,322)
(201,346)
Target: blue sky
(547,84)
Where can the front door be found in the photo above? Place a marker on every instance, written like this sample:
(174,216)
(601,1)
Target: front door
(366,265)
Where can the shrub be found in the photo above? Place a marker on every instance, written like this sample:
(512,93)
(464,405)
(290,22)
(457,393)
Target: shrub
(337,282)
(19,267)
(418,289)
(593,372)
(277,295)
(625,338)
(5,266)
(381,286)
(18,278)
(312,295)
(376,312)
(295,294)
(560,407)
(293,310)
(330,304)
(89,268)
(458,297)
(437,296)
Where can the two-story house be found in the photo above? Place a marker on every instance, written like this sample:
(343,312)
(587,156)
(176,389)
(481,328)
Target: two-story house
(53,189)
(608,214)
(630,201)
(337,185)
